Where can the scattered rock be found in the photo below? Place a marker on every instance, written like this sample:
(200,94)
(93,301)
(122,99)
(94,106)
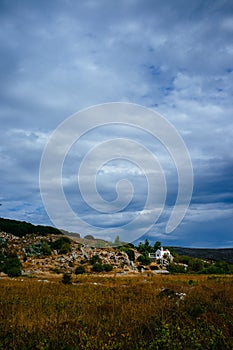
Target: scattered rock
(171,294)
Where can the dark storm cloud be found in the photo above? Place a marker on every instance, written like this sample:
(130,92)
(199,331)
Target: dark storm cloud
(214,182)
(175,56)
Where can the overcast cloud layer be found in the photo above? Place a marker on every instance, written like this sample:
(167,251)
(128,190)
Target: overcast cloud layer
(175,57)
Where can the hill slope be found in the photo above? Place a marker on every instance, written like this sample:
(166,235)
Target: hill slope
(22,228)
(223,254)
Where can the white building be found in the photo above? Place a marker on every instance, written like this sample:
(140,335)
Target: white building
(161,254)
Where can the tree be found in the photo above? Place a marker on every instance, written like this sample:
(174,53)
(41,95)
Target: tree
(46,250)
(146,247)
(144,258)
(157,246)
(117,241)
(62,244)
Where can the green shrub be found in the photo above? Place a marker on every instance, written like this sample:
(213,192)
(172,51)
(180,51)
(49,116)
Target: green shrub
(175,268)
(95,259)
(184,259)
(129,252)
(62,245)
(12,266)
(196,265)
(80,270)
(66,278)
(34,249)
(46,250)
(65,248)
(144,259)
(107,267)
(97,267)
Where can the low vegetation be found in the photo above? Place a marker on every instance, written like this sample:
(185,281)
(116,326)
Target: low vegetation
(145,312)
(62,245)
(22,228)
(98,266)
(186,264)
(10,265)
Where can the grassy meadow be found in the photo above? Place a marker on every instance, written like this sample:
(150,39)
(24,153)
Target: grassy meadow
(109,312)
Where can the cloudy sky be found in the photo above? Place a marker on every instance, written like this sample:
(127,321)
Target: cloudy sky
(174,57)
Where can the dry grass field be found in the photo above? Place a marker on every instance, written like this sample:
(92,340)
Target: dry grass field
(109,312)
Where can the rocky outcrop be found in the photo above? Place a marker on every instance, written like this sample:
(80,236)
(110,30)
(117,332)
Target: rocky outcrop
(38,255)
(29,249)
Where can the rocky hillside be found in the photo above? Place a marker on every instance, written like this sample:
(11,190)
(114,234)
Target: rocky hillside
(60,254)
(35,250)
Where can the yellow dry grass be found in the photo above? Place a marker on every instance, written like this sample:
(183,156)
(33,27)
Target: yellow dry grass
(109,312)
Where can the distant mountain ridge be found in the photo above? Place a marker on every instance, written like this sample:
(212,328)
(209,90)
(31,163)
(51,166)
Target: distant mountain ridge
(217,254)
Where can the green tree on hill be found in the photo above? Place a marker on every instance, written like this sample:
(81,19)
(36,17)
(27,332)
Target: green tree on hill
(144,247)
(62,245)
(157,246)
(117,241)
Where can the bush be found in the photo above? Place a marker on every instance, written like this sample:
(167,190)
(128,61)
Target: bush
(129,252)
(65,248)
(34,249)
(12,266)
(46,250)
(107,267)
(218,267)
(184,259)
(14,271)
(196,265)
(144,259)
(62,245)
(80,270)
(176,268)
(66,278)
(95,259)
(97,267)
